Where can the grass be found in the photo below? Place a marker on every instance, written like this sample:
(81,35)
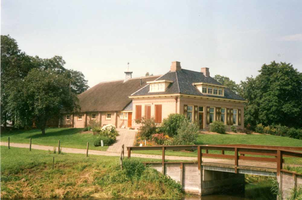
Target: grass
(248,139)
(69,137)
(30,175)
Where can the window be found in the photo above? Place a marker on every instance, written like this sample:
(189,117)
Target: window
(235,116)
(93,116)
(157,87)
(108,116)
(210,90)
(223,115)
(138,112)
(200,109)
(204,90)
(190,113)
(147,111)
(215,91)
(220,92)
(211,115)
(158,113)
(124,115)
(68,117)
(80,117)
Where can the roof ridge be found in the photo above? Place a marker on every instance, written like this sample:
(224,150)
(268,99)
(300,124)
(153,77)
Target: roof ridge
(176,75)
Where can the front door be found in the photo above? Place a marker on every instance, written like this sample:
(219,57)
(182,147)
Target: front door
(129,119)
(200,120)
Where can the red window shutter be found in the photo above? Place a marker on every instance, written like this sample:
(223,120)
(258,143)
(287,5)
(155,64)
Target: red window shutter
(138,112)
(158,113)
(148,112)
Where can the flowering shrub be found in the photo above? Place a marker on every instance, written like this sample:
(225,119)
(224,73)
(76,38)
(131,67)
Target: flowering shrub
(147,129)
(172,124)
(160,138)
(186,134)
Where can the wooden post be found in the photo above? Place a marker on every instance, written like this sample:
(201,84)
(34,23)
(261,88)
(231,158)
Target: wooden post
(236,160)
(129,152)
(30,144)
(295,181)
(163,160)
(279,162)
(59,147)
(207,151)
(199,157)
(181,174)
(123,151)
(222,152)
(87,149)
(8,142)
(53,162)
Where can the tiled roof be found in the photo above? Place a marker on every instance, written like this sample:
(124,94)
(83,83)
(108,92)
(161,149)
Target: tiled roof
(183,84)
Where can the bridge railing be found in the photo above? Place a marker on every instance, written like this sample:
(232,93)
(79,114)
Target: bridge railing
(258,153)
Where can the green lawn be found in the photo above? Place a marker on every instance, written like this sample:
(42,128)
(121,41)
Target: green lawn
(248,139)
(69,137)
(29,175)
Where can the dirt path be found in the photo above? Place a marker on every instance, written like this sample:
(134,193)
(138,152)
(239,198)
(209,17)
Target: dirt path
(126,138)
(94,152)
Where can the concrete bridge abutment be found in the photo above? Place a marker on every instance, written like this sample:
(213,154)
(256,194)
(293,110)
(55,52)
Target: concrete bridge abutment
(201,181)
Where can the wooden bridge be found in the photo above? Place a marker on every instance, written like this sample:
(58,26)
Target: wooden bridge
(221,167)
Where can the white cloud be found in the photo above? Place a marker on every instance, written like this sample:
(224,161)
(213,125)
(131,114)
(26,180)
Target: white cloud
(295,37)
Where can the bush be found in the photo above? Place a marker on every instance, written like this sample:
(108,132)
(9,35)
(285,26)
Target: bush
(234,129)
(293,133)
(133,168)
(148,128)
(106,141)
(159,138)
(186,134)
(109,131)
(218,127)
(259,128)
(172,124)
(281,130)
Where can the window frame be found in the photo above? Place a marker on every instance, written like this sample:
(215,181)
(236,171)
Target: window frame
(80,118)
(108,118)
(210,89)
(68,117)
(215,89)
(94,116)
(235,116)
(192,113)
(213,114)
(206,90)
(223,114)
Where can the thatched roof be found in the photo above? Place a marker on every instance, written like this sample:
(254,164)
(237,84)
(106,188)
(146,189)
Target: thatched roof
(111,96)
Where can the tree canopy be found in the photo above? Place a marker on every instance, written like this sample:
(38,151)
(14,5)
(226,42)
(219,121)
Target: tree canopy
(34,89)
(274,96)
(227,82)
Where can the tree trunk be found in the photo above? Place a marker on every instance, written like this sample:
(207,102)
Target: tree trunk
(43,130)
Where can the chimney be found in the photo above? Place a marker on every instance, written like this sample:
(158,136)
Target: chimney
(175,66)
(205,71)
(128,75)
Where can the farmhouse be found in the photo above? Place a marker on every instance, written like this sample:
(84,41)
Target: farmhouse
(196,95)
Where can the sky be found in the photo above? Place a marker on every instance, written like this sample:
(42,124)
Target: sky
(233,38)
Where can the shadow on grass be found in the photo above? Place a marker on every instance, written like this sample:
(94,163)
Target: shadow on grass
(63,132)
(36,133)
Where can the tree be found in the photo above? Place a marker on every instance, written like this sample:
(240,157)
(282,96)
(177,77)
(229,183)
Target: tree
(274,96)
(15,98)
(47,93)
(226,81)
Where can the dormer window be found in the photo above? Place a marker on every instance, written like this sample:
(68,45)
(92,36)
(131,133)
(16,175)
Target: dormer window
(159,86)
(210,89)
